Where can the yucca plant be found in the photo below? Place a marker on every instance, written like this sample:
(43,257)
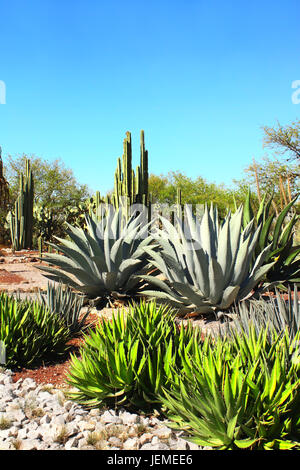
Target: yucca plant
(208,269)
(240,392)
(278,233)
(62,301)
(30,332)
(128,360)
(105,260)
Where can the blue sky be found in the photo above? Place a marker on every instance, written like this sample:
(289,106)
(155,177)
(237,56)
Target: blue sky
(200,77)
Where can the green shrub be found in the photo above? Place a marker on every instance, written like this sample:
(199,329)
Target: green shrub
(30,332)
(239,392)
(128,360)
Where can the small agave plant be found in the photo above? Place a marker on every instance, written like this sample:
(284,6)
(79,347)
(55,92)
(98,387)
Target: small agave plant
(208,269)
(103,261)
(274,315)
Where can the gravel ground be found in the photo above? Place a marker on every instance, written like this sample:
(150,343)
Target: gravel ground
(40,417)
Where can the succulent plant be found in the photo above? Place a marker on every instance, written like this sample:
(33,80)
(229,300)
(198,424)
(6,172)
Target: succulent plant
(21,221)
(104,261)
(275,314)
(240,392)
(67,305)
(128,359)
(209,268)
(280,235)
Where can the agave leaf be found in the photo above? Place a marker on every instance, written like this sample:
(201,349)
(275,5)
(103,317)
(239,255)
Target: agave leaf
(279,222)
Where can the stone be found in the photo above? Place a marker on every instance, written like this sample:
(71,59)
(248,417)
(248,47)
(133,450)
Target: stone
(94,412)
(129,418)
(108,417)
(28,384)
(30,444)
(46,419)
(163,432)
(87,425)
(131,444)
(146,437)
(115,441)
(4,433)
(71,443)
(68,405)
(4,445)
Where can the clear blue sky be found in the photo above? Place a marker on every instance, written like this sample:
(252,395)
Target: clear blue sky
(200,77)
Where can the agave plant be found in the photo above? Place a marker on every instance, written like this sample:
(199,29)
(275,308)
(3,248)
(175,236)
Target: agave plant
(239,393)
(274,314)
(278,234)
(129,359)
(209,268)
(30,332)
(105,260)
(67,305)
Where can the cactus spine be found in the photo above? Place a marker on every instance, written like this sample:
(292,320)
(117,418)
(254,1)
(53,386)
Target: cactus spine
(21,222)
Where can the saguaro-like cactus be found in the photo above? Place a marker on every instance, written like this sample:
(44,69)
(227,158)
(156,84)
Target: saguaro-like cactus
(129,184)
(21,221)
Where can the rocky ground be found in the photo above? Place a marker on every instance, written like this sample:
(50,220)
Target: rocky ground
(40,417)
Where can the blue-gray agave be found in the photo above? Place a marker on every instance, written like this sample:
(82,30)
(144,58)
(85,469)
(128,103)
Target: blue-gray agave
(103,260)
(209,269)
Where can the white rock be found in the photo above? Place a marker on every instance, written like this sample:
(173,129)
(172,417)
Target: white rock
(82,443)
(22,433)
(71,443)
(30,444)
(86,425)
(163,432)
(58,420)
(68,405)
(45,396)
(129,418)
(146,437)
(4,433)
(28,384)
(5,445)
(46,419)
(131,444)
(108,417)
(115,441)
(16,415)
(95,412)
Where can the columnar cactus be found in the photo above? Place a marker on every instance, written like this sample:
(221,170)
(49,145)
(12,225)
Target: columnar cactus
(130,185)
(21,222)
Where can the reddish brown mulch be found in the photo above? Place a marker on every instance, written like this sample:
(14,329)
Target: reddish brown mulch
(7,277)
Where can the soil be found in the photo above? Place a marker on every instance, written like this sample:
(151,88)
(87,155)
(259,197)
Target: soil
(19,273)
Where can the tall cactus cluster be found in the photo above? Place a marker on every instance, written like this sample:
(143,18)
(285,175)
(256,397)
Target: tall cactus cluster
(130,185)
(21,221)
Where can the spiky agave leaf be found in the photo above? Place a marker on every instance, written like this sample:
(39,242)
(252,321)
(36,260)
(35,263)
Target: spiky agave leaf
(210,271)
(105,258)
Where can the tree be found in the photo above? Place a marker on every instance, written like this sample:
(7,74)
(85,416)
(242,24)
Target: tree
(193,191)
(273,176)
(55,186)
(284,140)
